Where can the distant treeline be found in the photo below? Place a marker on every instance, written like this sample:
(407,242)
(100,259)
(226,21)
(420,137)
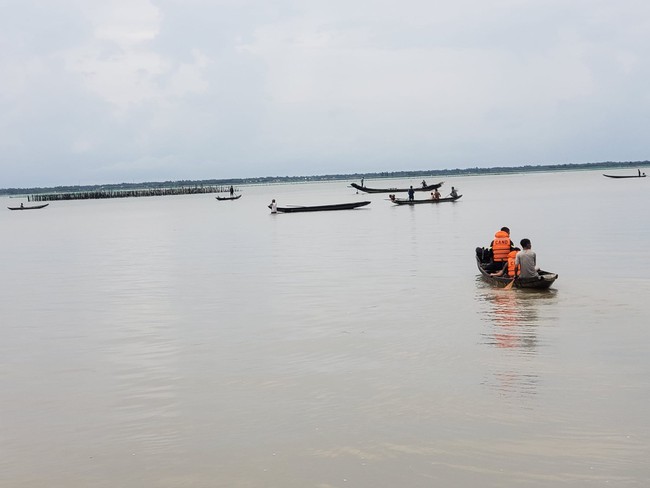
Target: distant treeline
(134,192)
(225,183)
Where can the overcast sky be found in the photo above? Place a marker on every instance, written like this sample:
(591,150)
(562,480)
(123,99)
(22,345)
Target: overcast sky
(150,90)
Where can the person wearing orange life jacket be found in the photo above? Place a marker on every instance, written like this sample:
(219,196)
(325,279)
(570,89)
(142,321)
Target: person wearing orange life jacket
(509,269)
(500,248)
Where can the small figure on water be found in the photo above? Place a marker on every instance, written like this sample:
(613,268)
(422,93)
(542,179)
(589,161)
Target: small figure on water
(435,194)
(424,184)
(232,190)
(273,206)
(454,193)
(362,182)
(411,193)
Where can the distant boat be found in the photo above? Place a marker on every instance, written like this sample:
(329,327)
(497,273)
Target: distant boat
(404,201)
(395,190)
(229,198)
(642,175)
(33,207)
(321,208)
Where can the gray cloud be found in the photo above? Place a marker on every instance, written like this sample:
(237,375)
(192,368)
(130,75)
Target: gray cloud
(142,90)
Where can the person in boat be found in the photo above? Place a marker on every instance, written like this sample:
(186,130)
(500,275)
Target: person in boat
(424,184)
(392,197)
(500,247)
(22,206)
(508,269)
(232,191)
(435,194)
(454,193)
(274,206)
(526,261)
(639,172)
(411,193)
(361,182)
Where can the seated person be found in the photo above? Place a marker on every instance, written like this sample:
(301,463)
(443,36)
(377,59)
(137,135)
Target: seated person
(526,261)
(508,270)
(500,247)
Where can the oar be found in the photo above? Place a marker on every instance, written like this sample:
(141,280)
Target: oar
(509,285)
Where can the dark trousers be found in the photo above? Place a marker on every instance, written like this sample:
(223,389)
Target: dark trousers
(495,266)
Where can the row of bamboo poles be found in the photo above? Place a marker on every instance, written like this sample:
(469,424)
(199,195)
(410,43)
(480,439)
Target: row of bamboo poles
(140,192)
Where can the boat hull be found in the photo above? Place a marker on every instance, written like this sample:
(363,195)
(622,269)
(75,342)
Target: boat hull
(400,201)
(34,207)
(395,190)
(322,208)
(228,198)
(624,176)
(542,282)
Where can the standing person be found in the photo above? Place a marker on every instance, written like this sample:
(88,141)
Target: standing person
(526,261)
(232,190)
(274,206)
(411,193)
(362,182)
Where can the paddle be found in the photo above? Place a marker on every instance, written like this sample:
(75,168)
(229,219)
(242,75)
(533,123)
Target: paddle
(509,285)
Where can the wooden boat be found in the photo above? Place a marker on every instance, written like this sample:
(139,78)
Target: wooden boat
(395,190)
(229,198)
(404,201)
(642,175)
(33,207)
(320,208)
(543,281)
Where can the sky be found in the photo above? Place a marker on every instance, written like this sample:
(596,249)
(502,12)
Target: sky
(112,91)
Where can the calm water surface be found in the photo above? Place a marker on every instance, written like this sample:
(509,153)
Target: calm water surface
(182,341)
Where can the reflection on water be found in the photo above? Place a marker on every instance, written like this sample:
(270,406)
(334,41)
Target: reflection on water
(511,319)
(512,316)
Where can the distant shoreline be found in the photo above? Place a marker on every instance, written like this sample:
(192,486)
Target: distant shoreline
(475,171)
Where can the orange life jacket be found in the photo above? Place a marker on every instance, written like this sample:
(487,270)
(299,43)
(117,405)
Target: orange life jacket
(511,263)
(500,246)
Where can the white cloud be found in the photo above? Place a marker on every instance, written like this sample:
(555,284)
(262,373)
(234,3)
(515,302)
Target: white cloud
(120,63)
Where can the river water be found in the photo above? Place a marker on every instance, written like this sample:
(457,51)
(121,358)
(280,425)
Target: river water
(183,341)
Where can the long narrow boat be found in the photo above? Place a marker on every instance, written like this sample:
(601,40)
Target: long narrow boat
(625,176)
(33,207)
(395,190)
(543,281)
(229,198)
(404,201)
(321,208)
